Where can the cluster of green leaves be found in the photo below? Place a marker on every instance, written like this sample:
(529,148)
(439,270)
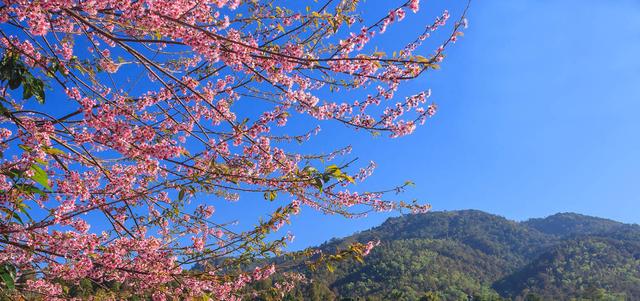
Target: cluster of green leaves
(24,184)
(8,277)
(15,73)
(320,179)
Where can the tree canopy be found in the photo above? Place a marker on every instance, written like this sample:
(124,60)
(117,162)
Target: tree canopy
(150,134)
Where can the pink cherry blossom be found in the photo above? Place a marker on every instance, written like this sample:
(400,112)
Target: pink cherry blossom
(171,107)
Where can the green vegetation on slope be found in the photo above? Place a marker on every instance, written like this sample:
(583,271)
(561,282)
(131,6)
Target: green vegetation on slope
(463,255)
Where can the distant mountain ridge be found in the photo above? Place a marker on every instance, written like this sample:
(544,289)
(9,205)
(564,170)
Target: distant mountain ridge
(473,255)
(564,224)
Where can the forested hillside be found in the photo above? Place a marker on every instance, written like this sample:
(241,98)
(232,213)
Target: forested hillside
(463,255)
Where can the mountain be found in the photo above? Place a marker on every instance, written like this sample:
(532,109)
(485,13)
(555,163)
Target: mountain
(588,265)
(473,255)
(564,224)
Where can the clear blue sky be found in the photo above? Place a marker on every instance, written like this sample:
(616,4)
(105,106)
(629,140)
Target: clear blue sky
(538,115)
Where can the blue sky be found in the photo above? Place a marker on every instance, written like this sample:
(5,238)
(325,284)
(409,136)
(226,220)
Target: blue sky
(537,115)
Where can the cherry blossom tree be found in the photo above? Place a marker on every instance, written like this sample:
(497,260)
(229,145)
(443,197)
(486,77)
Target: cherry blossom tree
(151,139)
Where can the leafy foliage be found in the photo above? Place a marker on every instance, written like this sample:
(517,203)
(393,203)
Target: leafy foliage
(16,74)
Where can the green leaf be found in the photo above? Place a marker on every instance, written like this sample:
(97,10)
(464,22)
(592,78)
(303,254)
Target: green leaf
(318,183)
(421,59)
(326,178)
(14,83)
(23,208)
(28,188)
(332,167)
(4,111)
(7,275)
(40,176)
(53,151)
(309,170)
(13,215)
(27,92)
(270,195)
(13,173)
(25,148)
(39,92)
(348,178)
(181,194)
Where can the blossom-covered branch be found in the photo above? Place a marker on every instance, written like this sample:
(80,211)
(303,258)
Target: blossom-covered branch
(150,130)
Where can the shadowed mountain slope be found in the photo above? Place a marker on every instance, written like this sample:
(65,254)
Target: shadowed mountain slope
(459,255)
